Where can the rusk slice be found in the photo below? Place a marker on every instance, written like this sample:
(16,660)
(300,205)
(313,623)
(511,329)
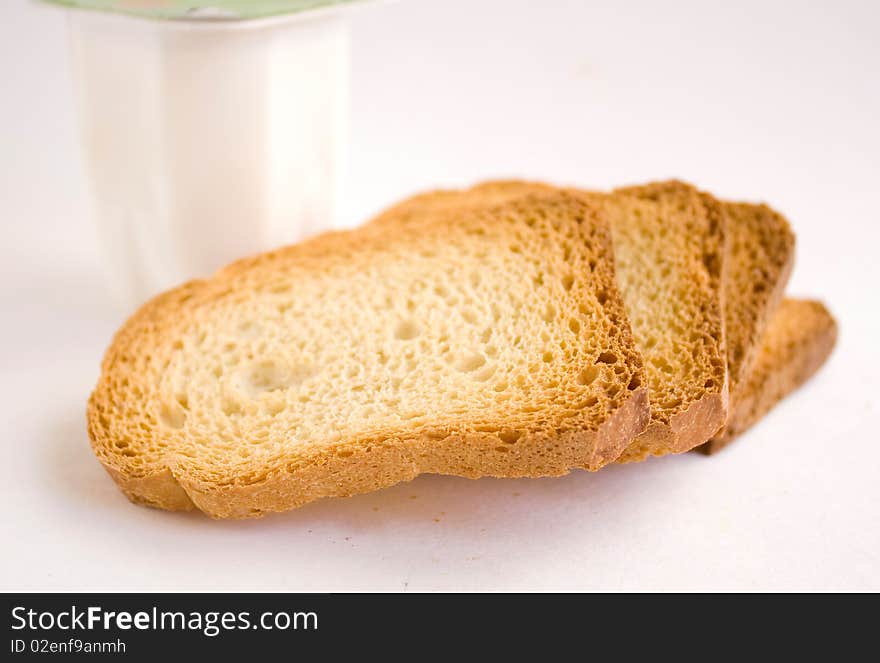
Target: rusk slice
(668,244)
(760,259)
(496,346)
(798,340)
(759,262)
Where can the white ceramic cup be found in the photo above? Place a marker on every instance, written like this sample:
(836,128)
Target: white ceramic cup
(206,141)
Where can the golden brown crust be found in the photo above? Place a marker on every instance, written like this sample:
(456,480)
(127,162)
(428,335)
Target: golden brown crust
(761,260)
(690,407)
(758,256)
(684,432)
(797,342)
(369,465)
(159,461)
(758,260)
(160,490)
(688,410)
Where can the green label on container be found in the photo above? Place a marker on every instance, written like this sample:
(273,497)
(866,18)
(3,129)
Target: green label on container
(202,9)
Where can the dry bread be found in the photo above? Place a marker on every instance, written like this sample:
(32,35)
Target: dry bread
(497,345)
(759,262)
(798,340)
(668,245)
(435,203)
(760,259)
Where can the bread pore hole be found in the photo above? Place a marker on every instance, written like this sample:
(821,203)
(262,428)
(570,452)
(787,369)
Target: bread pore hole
(712,264)
(172,415)
(469,363)
(248,329)
(510,437)
(587,376)
(567,282)
(407,330)
(231,407)
(484,373)
(574,325)
(267,375)
(270,375)
(607,358)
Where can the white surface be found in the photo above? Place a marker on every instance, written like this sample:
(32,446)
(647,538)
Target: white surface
(214,122)
(751,100)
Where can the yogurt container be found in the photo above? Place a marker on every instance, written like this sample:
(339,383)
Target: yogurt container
(210,130)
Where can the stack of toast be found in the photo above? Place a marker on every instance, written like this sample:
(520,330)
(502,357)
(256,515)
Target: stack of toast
(511,329)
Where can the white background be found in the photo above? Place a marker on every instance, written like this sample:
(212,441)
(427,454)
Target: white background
(757,100)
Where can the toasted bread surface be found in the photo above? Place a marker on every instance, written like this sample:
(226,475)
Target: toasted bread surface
(798,340)
(668,244)
(494,346)
(761,256)
(759,262)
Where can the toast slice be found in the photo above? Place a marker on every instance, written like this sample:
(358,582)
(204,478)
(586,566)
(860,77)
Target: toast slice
(668,245)
(760,259)
(798,340)
(496,346)
(760,256)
